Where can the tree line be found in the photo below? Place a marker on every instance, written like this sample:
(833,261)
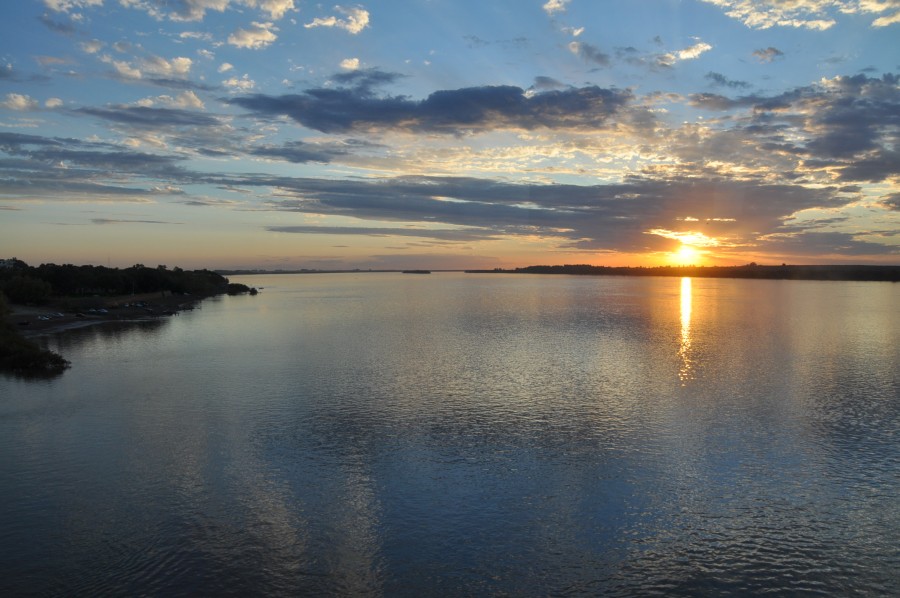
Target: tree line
(26,284)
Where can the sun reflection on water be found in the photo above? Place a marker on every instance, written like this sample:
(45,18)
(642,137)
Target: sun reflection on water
(686,372)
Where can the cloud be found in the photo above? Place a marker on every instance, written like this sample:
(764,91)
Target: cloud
(178,67)
(350,64)
(257,36)
(843,128)
(62,167)
(593,218)
(544,83)
(66,6)
(19,102)
(239,85)
(51,60)
(152,118)
(126,221)
(554,6)
(763,14)
(589,53)
(156,67)
(92,47)
(809,14)
(185,100)
(365,80)
(768,54)
(456,111)
(690,53)
(299,152)
(275,8)
(225,67)
(357,20)
(462,235)
(201,35)
(721,80)
(63,28)
(53,103)
(888,20)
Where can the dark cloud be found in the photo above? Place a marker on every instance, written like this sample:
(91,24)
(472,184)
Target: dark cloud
(57,167)
(95,156)
(721,80)
(456,111)
(454,235)
(602,217)
(182,84)
(366,79)
(57,26)
(768,54)
(589,53)
(298,152)
(817,244)
(544,83)
(892,202)
(151,118)
(121,221)
(849,124)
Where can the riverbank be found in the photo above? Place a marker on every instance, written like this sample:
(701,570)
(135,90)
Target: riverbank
(69,313)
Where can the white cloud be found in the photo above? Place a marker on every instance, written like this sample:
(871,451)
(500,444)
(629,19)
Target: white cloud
(53,103)
(225,67)
(351,64)
(885,21)
(122,67)
(177,68)
(188,99)
(693,51)
(17,101)
(195,10)
(275,8)
(67,5)
(202,35)
(242,84)
(357,20)
(206,54)
(689,53)
(554,6)
(92,47)
(258,35)
(808,14)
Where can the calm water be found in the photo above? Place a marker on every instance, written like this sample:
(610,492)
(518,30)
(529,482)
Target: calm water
(451,434)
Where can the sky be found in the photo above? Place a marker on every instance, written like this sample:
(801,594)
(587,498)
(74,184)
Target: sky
(448,134)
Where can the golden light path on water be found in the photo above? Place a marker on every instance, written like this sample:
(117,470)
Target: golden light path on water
(685,373)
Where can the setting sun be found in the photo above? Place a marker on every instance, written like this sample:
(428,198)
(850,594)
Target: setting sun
(687,255)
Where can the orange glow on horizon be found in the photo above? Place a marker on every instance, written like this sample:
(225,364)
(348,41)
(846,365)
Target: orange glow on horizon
(687,255)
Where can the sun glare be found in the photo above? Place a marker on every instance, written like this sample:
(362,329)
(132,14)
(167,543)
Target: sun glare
(687,255)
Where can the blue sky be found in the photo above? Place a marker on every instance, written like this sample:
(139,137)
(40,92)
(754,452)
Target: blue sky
(449,134)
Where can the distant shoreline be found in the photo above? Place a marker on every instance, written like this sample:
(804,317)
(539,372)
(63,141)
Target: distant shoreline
(858,273)
(751,271)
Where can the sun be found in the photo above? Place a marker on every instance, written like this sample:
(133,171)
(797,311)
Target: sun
(687,255)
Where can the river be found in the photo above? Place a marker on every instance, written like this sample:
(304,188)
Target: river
(466,434)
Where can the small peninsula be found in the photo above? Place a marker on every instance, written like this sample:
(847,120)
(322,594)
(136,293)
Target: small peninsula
(37,300)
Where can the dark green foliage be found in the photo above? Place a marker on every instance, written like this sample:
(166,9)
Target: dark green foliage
(26,289)
(20,356)
(26,284)
(236,288)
